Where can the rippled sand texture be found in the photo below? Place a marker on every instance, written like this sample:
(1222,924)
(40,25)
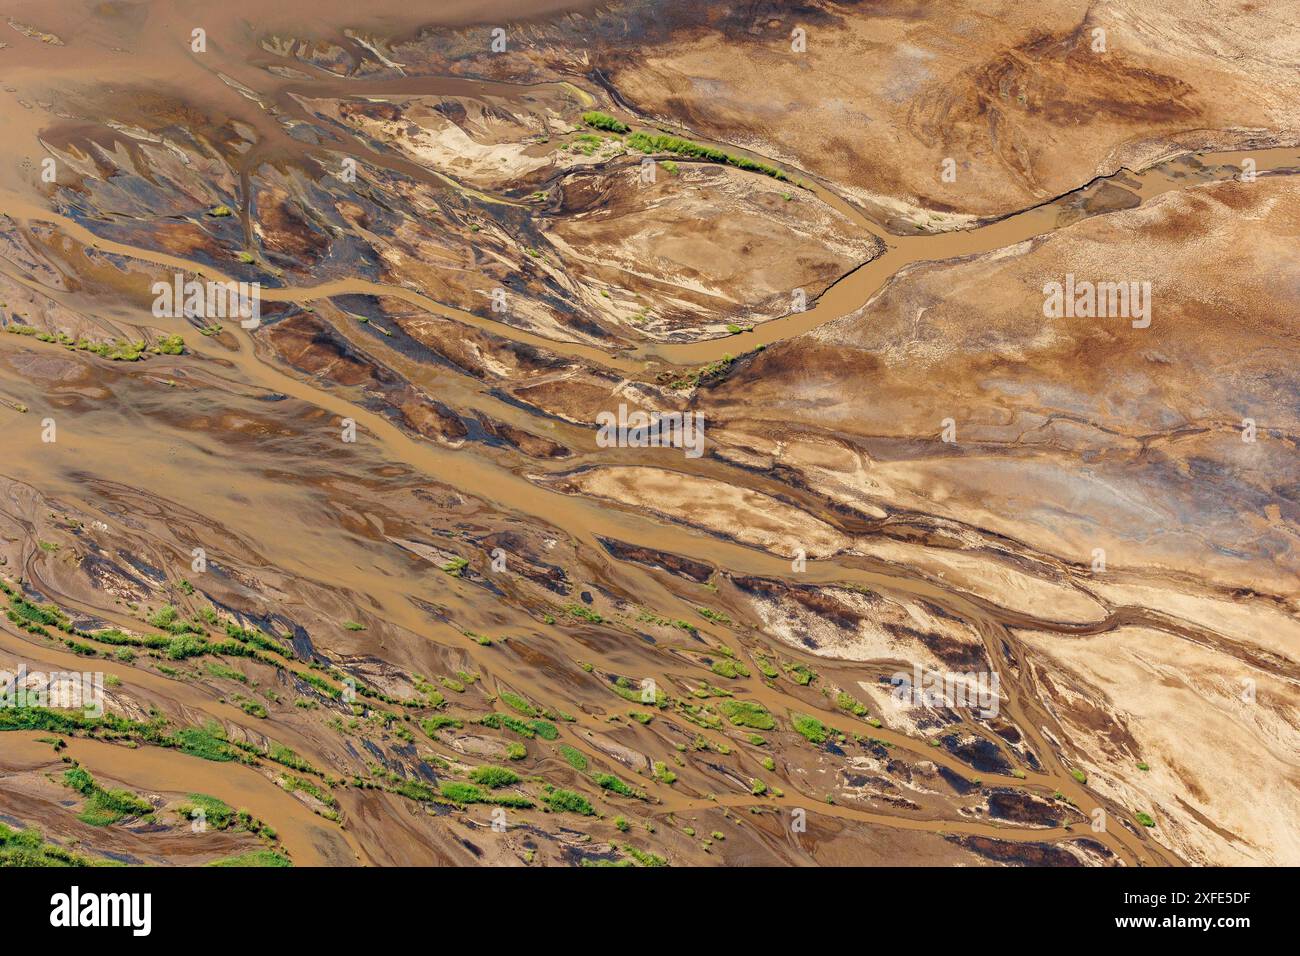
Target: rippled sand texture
(337,568)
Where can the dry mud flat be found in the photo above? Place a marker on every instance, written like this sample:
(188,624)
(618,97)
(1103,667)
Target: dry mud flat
(1019,96)
(474,615)
(1132,429)
(1078,434)
(1028,99)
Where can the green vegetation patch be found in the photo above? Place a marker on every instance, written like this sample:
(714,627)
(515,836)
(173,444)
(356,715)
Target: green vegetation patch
(745,713)
(811,728)
(168,618)
(851,704)
(462,792)
(566,801)
(27,848)
(215,812)
(644,857)
(506,722)
(104,807)
(494,777)
(545,729)
(573,757)
(664,143)
(583,612)
(518,704)
(286,757)
(217,669)
(712,372)
(599,120)
(729,668)
(258,858)
(699,715)
(629,691)
(208,742)
(801,675)
(716,616)
(251,707)
(615,784)
(168,345)
(260,640)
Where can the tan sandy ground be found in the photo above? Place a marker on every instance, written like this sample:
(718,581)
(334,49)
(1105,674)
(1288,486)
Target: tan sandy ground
(1223,785)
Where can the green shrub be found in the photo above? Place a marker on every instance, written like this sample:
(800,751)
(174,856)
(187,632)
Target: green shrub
(566,801)
(207,742)
(574,757)
(27,848)
(258,858)
(462,792)
(216,813)
(258,639)
(494,777)
(170,345)
(517,703)
(608,781)
(662,143)
(104,807)
(430,725)
(185,646)
(744,713)
(416,790)
(604,121)
(729,668)
(528,730)
(849,703)
(644,857)
(810,727)
(580,611)
(288,758)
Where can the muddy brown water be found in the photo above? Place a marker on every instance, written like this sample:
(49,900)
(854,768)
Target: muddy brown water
(138,464)
(848,295)
(309,840)
(165,457)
